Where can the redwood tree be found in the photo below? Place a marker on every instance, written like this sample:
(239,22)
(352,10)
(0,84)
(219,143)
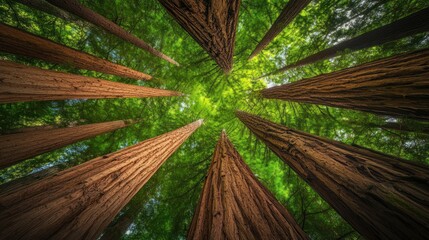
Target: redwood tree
(235,205)
(48,8)
(395,86)
(21,83)
(78,203)
(15,41)
(381,196)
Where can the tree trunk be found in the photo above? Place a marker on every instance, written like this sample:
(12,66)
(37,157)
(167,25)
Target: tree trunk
(15,41)
(235,205)
(211,23)
(415,23)
(381,196)
(78,9)
(21,83)
(395,86)
(20,146)
(48,8)
(80,202)
(289,12)
(116,231)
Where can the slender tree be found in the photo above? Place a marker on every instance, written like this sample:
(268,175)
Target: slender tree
(48,8)
(235,205)
(20,146)
(415,23)
(78,203)
(395,86)
(74,7)
(381,196)
(21,83)
(289,12)
(211,23)
(15,41)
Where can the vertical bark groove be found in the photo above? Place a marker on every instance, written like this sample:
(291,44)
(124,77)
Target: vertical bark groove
(235,205)
(381,196)
(78,203)
(15,41)
(395,86)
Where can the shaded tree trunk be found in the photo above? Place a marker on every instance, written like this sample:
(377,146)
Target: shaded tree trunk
(78,9)
(15,41)
(415,23)
(289,12)
(21,83)
(117,230)
(211,23)
(80,202)
(20,146)
(381,196)
(235,205)
(395,86)
(48,8)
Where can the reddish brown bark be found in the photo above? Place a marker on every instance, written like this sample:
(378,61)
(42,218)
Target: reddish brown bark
(211,23)
(21,83)
(235,205)
(289,12)
(80,202)
(78,9)
(15,41)
(395,86)
(415,23)
(381,196)
(20,146)
(48,8)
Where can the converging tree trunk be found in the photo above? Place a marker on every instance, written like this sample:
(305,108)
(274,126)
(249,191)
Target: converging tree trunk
(381,196)
(211,23)
(21,83)
(78,9)
(235,205)
(415,23)
(394,86)
(48,8)
(20,146)
(289,12)
(15,41)
(78,203)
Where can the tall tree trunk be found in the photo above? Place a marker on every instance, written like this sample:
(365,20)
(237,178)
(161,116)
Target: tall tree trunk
(415,23)
(21,83)
(381,196)
(80,202)
(395,86)
(15,41)
(48,8)
(211,23)
(20,146)
(78,9)
(289,12)
(235,205)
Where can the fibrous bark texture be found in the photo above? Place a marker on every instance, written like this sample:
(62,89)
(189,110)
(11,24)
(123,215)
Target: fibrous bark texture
(78,203)
(20,146)
(16,41)
(395,86)
(235,205)
(415,23)
(78,9)
(211,23)
(381,196)
(21,83)
(48,8)
(290,11)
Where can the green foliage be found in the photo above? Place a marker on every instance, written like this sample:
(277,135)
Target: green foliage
(164,207)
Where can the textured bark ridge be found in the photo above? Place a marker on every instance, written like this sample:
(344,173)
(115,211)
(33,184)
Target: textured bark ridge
(381,196)
(289,12)
(211,23)
(15,41)
(415,23)
(78,203)
(235,205)
(74,7)
(21,83)
(20,146)
(395,86)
